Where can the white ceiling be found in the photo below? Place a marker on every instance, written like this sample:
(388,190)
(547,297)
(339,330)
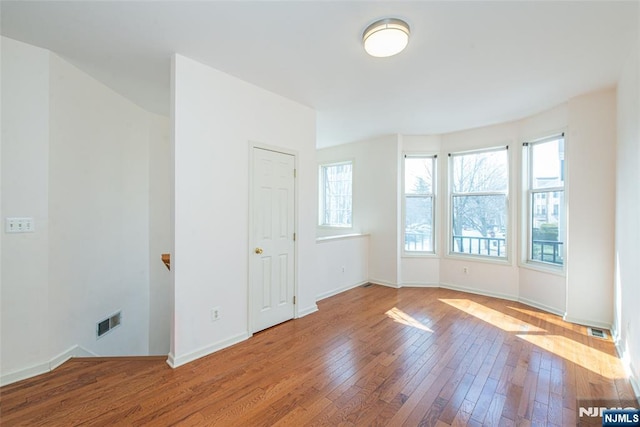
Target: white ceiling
(468,64)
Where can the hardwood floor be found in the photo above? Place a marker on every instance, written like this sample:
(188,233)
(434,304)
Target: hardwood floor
(371,356)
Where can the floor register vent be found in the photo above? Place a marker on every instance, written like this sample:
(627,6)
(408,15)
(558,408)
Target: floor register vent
(598,333)
(108,324)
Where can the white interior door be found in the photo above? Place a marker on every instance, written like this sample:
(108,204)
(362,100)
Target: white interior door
(272,260)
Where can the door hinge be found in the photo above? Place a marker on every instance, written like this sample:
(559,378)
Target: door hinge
(294,300)
(294,237)
(295,173)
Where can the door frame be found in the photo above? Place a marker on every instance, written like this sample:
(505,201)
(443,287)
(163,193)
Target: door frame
(253,145)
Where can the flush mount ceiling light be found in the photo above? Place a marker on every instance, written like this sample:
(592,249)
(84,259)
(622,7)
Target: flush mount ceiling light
(386,37)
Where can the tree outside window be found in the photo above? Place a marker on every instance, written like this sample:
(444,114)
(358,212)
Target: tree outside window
(419,199)
(479,183)
(336,195)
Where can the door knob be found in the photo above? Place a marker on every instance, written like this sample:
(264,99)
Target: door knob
(258,250)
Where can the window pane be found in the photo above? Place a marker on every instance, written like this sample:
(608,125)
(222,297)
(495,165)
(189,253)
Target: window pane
(548,227)
(337,192)
(418,232)
(480,172)
(479,225)
(547,164)
(418,175)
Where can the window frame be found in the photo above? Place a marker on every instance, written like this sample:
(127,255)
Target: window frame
(506,258)
(322,194)
(529,195)
(432,195)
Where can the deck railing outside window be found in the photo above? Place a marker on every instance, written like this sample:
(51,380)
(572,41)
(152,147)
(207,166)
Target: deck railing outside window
(489,246)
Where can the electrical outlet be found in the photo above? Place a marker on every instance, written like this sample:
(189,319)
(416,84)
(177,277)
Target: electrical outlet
(465,270)
(215,314)
(343,268)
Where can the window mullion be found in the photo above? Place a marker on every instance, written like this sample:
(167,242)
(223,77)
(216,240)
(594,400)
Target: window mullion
(547,190)
(484,193)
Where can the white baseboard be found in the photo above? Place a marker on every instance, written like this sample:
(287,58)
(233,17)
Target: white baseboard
(307,311)
(75,351)
(23,374)
(384,283)
(339,291)
(632,373)
(171,360)
(542,307)
(634,379)
(586,322)
(478,292)
(615,336)
(174,362)
(43,368)
(419,285)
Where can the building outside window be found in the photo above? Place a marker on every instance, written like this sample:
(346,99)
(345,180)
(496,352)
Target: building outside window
(479,183)
(419,203)
(544,163)
(336,195)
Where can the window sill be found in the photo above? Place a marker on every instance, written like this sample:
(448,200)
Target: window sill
(420,255)
(479,258)
(339,237)
(544,268)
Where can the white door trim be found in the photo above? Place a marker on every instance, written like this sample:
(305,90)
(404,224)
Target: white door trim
(258,145)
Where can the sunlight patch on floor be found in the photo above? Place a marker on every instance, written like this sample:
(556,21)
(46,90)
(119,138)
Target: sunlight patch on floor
(589,358)
(495,317)
(400,316)
(542,316)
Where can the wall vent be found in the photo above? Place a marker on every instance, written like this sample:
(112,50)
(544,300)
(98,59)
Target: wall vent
(108,324)
(366,285)
(598,333)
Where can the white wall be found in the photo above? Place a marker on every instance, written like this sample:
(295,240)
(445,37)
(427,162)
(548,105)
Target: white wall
(99,209)
(25,168)
(382,208)
(342,263)
(160,237)
(591,156)
(75,158)
(627,245)
(375,205)
(215,116)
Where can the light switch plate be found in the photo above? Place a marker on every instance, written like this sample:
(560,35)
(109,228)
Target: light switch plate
(19,225)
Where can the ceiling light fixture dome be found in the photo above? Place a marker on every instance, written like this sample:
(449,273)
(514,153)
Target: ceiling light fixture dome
(386,37)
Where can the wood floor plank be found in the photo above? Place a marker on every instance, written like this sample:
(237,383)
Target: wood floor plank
(494,413)
(456,399)
(371,356)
